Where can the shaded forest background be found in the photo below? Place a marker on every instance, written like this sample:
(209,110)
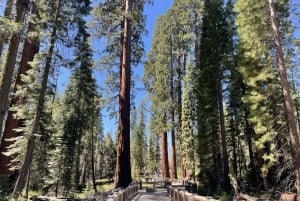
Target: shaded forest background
(222,105)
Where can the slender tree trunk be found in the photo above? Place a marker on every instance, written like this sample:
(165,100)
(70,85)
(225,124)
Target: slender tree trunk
(92,155)
(31,141)
(234,147)
(179,133)
(123,168)
(226,180)
(7,74)
(7,12)
(291,122)
(182,167)
(77,164)
(31,47)
(173,137)
(164,156)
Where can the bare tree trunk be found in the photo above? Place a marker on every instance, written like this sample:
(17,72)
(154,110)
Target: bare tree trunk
(226,180)
(291,122)
(173,137)
(123,168)
(164,156)
(31,141)
(31,47)
(7,12)
(233,144)
(179,133)
(92,155)
(7,74)
(77,165)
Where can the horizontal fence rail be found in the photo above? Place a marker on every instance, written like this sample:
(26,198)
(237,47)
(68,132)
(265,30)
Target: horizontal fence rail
(176,194)
(123,194)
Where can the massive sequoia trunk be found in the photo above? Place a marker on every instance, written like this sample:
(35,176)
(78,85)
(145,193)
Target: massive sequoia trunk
(291,120)
(123,168)
(7,74)
(21,180)
(31,47)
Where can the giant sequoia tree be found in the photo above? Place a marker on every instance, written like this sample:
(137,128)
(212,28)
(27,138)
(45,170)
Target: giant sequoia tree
(121,22)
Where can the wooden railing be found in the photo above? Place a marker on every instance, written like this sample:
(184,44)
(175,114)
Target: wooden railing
(176,194)
(123,194)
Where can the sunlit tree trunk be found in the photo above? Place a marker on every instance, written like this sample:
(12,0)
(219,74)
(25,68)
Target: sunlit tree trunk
(20,183)
(123,168)
(291,120)
(31,47)
(7,74)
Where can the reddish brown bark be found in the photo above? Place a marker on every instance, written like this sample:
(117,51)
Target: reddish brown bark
(164,156)
(31,47)
(8,71)
(291,120)
(123,168)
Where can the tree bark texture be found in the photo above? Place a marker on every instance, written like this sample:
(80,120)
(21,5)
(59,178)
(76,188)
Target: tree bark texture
(226,180)
(20,183)
(179,90)
(8,71)
(31,47)
(173,137)
(164,156)
(291,120)
(123,168)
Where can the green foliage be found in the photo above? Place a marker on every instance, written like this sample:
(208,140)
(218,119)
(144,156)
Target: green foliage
(109,157)
(188,129)
(139,144)
(256,66)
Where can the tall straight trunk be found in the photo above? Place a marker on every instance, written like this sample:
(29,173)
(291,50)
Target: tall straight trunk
(123,168)
(7,12)
(8,71)
(20,183)
(31,47)
(179,91)
(173,138)
(92,154)
(234,147)
(164,156)
(226,180)
(77,164)
(291,120)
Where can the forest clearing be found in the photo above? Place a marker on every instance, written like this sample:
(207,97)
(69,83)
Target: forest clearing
(90,104)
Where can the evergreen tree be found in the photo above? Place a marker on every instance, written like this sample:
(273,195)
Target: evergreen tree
(288,105)
(79,104)
(22,8)
(122,21)
(139,142)
(215,167)
(188,121)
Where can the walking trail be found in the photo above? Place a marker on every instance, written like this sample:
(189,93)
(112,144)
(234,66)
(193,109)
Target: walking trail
(160,194)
